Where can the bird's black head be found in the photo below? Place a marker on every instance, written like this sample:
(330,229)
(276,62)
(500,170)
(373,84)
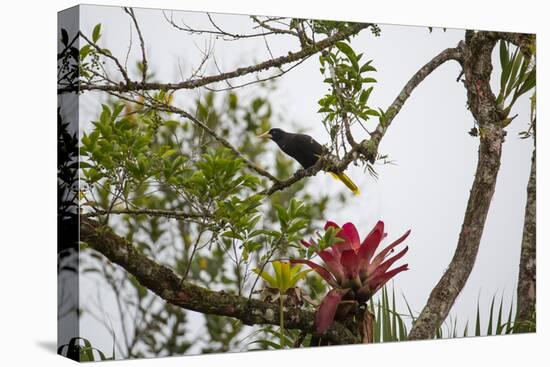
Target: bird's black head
(274,134)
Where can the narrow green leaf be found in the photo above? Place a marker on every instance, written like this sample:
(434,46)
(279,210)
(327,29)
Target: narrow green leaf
(505,76)
(499,317)
(365,94)
(367,67)
(278,272)
(285,270)
(394,316)
(509,322)
(517,59)
(265,276)
(528,84)
(478,321)
(299,277)
(490,324)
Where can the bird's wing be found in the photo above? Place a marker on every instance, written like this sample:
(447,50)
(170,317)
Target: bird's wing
(305,150)
(308,144)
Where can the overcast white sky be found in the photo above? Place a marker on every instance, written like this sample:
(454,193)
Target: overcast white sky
(435,158)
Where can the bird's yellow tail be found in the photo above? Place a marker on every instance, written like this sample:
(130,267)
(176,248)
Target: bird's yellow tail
(347,181)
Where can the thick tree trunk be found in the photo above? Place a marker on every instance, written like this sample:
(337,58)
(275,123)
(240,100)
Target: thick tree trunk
(482,103)
(447,290)
(527,266)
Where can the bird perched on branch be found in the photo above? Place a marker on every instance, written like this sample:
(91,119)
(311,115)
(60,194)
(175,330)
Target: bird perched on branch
(305,150)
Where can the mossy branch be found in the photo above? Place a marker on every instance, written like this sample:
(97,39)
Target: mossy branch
(165,283)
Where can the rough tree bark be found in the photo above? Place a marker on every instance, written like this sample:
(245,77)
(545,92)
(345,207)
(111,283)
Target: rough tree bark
(170,287)
(527,267)
(477,68)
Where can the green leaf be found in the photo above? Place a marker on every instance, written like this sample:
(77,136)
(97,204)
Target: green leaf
(96,33)
(517,60)
(503,54)
(168,153)
(105,116)
(365,94)
(64,37)
(278,272)
(233,101)
(84,51)
(265,276)
(490,325)
(478,322)
(372,112)
(348,51)
(500,327)
(231,234)
(529,83)
(171,123)
(367,67)
(285,272)
(368,80)
(117,110)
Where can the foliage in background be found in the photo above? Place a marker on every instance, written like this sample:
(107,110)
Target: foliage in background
(81,350)
(139,159)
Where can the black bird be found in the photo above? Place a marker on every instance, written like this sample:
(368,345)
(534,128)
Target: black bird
(305,150)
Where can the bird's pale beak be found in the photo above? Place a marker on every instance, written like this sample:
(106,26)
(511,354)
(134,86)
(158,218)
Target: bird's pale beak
(265,135)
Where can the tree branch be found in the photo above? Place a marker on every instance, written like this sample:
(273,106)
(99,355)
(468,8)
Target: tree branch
(195,83)
(392,111)
(219,32)
(105,54)
(525,41)
(527,294)
(170,287)
(368,148)
(477,68)
(175,214)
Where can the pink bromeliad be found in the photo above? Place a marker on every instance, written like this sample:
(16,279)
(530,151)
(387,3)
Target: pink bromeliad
(353,269)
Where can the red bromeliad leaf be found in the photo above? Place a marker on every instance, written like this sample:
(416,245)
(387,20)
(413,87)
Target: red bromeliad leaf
(351,236)
(305,243)
(331,224)
(380,257)
(324,317)
(374,284)
(382,268)
(350,263)
(371,242)
(379,281)
(353,263)
(336,250)
(332,264)
(318,269)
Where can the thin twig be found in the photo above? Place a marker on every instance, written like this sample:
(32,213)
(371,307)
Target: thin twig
(195,83)
(130,12)
(109,56)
